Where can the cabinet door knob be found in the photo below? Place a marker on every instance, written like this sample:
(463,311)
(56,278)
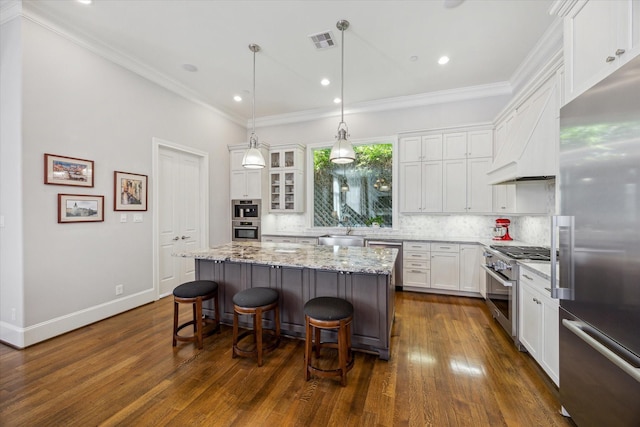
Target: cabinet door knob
(619,52)
(176,238)
(611,58)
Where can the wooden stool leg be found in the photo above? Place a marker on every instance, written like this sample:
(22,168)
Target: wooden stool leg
(197,321)
(235,334)
(277,322)
(216,307)
(175,321)
(342,352)
(308,343)
(258,331)
(318,335)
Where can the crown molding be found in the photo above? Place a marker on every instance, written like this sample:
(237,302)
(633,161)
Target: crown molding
(562,7)
(388,104)
(10,11)
(118,57)
(547,47)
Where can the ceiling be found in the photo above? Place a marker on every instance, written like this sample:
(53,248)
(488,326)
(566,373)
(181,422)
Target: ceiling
(486,40)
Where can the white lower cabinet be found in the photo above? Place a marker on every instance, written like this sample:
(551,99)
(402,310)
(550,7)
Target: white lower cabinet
(538,322)
(442,267)
(470,276)
(445,266)
(416,264)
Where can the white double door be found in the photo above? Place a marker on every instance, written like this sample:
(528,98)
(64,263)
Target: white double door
(180,215)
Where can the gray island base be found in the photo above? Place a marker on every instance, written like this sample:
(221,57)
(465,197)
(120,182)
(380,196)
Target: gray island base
(362,276)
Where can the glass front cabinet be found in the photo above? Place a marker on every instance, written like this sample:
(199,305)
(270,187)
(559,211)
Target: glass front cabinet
(286,179)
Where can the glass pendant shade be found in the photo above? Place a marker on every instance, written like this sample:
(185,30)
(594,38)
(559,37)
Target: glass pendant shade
(253,158)
(342,151)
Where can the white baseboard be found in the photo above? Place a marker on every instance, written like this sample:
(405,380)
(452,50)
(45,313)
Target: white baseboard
(24,337)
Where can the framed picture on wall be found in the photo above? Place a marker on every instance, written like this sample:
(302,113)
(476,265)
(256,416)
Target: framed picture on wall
(129,191)
(80,208)
(62,170)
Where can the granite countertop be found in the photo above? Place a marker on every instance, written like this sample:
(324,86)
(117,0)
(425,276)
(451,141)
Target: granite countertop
(335,258)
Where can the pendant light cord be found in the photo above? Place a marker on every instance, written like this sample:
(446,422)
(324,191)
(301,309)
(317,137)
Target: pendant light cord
(342,78)
(253,106)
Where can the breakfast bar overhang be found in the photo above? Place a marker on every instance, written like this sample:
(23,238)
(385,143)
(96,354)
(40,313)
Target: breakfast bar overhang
(362,276)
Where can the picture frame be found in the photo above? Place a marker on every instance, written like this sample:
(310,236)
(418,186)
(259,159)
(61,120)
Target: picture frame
(80,208)
(129,191)
(63,170)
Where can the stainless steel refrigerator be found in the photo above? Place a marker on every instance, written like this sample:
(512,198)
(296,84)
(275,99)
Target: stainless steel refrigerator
(598,237)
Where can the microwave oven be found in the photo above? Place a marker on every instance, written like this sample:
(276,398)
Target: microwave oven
(245,231)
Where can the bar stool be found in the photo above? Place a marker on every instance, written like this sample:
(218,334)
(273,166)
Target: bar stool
(254,302)
(328,313)
(195,293)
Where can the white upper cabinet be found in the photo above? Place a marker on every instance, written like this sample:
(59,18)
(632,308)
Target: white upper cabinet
(471,145)
(446,172)
(455,146)
(245,183)
(599,37)
(286,179)
(421,148)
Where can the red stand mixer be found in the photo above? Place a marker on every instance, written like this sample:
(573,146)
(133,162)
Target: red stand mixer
(501,230)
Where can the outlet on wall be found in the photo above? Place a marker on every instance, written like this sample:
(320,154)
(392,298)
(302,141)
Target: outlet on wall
(119,289)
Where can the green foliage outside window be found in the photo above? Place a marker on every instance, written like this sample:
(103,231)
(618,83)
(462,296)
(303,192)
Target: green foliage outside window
(368,200)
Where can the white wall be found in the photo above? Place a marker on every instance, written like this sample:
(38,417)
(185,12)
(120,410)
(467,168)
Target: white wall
(75,103)
(11,248)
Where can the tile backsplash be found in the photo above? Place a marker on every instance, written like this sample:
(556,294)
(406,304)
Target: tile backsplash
(533,230)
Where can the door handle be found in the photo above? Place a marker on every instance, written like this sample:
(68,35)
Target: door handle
(585,332)
(567,223)
(175,238)
(186,237)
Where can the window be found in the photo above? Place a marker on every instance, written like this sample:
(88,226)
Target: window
(354,195)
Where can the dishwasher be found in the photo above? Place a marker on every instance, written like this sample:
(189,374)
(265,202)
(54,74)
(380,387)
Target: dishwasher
(398,266)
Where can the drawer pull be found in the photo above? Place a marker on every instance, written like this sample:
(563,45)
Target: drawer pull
(619,52)
(527,277)
(610,58)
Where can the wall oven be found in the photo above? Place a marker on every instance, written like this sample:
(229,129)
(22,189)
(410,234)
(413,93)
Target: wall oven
(242,210)
(245,231)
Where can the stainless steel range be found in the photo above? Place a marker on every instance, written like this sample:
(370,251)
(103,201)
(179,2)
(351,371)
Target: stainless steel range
(501,266)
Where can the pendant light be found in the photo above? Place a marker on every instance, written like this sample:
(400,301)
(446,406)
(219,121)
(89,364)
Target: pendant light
(342,151)
(253,158)
(344,187)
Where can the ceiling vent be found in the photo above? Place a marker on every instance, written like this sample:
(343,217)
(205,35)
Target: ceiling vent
(323,40)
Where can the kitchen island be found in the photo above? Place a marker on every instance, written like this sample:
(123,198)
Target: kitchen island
(362,276)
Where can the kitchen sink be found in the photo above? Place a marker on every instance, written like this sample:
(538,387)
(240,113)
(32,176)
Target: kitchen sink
(341,240)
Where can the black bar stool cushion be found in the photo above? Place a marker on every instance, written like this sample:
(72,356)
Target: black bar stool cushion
(328,308)
(197,288)
(255,297)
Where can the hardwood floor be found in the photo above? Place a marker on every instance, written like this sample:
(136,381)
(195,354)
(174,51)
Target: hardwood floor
(450,365)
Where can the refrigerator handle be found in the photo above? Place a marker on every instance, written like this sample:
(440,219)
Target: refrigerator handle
(584,332)
(564,290)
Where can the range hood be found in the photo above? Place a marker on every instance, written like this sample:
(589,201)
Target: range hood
(530,152)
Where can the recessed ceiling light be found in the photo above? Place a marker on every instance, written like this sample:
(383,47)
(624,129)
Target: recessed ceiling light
(413,58)
(237,98)
(325,82)
(337,100)
(87,2)
(443,60)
